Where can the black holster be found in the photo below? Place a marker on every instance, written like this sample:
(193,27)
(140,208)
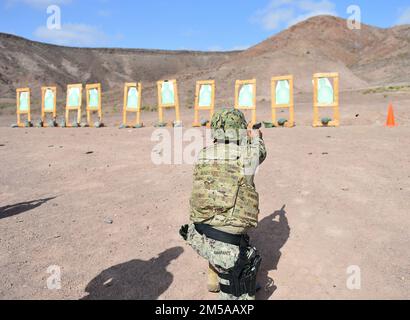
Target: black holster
(242,277)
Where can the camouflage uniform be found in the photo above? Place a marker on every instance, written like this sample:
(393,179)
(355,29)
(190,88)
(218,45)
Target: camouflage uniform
(222,256)
(224,195)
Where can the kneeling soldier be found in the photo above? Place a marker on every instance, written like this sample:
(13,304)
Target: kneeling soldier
(225,205)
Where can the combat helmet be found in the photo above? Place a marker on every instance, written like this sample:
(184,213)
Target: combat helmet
(229,125)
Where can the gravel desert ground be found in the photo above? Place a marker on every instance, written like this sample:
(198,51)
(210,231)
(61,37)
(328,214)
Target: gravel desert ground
(92,202)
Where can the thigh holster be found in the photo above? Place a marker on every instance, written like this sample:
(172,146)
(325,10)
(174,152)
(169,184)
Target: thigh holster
(242,277)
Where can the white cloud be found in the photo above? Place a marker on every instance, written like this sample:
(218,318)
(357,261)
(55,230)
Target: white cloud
(284,13)
(70,34)
(404,17)
(37,3)
(217,48)
(104,13)
(236,48)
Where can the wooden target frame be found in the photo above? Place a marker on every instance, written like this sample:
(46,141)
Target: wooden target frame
(22,112)
(290,106)
(197,107)
(73,108)
(44,111)
(162,106)
(92,109)
(335,105)
(137,110)
(238,85)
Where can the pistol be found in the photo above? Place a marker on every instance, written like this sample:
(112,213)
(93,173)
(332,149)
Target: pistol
(257,126)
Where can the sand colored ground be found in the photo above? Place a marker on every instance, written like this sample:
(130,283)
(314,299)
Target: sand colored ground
(92,202)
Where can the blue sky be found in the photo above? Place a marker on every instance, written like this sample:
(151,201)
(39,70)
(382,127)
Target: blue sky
(180,24)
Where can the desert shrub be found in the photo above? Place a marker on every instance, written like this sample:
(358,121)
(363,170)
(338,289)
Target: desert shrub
(4,106)
(149,108)
(387,89)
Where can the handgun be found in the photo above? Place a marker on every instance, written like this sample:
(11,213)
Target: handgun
(257,126)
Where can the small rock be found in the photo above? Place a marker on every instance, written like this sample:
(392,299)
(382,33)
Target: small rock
(357,115)
(325,153)
(108,221)
(89,152)
(2,145)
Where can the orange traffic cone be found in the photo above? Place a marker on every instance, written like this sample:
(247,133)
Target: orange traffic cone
(390,118)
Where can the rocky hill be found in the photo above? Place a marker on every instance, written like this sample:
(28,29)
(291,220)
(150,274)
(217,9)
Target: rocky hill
(364,58)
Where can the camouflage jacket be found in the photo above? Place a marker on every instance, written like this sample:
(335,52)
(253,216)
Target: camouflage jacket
(224,194)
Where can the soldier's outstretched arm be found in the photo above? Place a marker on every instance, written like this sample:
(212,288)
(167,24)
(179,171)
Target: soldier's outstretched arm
(258,143)
(262,150)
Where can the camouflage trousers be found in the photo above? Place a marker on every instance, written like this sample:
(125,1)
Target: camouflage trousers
(222,256)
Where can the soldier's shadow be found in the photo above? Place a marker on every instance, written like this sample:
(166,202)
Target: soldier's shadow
(134,280)
(19,208)
(271,235)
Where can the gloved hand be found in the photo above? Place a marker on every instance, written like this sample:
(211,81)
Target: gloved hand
(184,232)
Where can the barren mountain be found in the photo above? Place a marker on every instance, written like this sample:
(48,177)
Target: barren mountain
(367,57)
(33,64)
